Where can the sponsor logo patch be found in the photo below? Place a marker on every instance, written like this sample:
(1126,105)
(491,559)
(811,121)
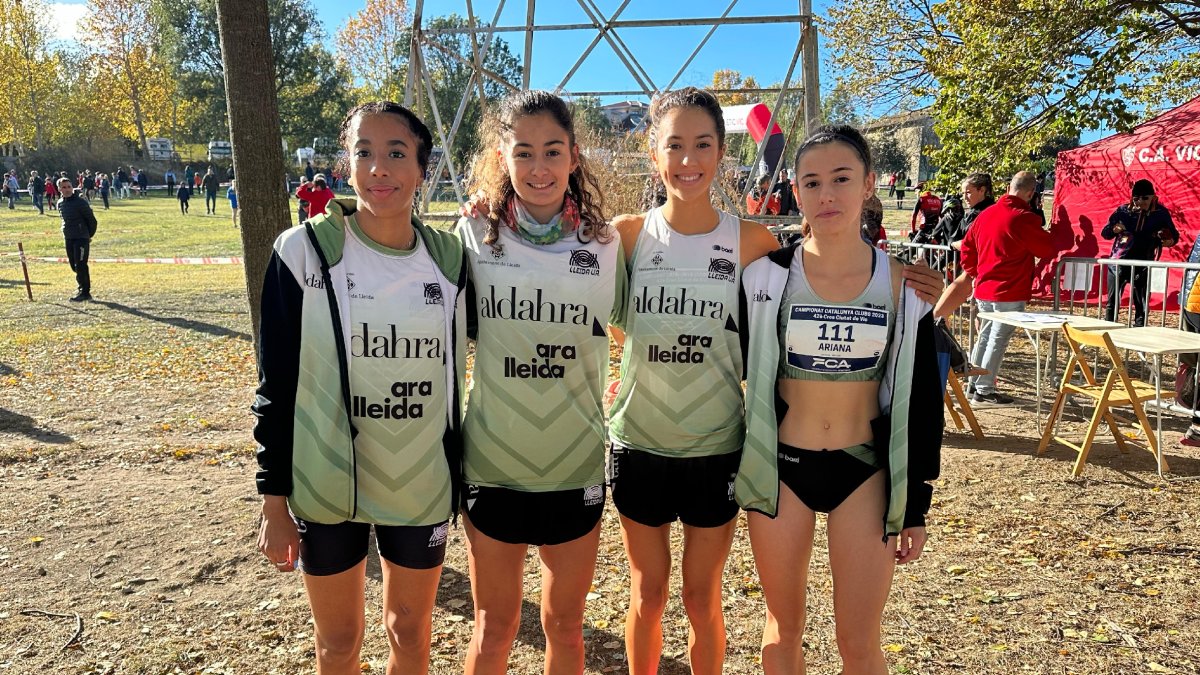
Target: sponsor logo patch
(439,535)
(584,262)
(593,495)
(433,294)
(722,268)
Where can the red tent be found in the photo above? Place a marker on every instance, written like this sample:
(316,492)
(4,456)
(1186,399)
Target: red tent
(1093,180)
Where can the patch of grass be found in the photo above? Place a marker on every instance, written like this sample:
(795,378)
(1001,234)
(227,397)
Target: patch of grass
(137,227)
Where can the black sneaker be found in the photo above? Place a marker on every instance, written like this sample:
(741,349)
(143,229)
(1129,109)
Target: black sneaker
(994,398)
(81,297)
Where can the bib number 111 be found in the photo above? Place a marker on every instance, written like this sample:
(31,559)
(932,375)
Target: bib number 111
(833,332)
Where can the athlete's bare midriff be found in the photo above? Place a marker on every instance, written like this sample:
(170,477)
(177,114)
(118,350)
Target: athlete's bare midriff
(828,415)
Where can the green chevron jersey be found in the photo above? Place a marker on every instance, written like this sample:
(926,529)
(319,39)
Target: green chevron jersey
(397,381)
(680,392)
(535,420)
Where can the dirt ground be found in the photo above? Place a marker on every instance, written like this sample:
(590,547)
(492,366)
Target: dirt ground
(128,523)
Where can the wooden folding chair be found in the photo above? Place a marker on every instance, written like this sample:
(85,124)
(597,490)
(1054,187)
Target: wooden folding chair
(956,397)
(1117,390)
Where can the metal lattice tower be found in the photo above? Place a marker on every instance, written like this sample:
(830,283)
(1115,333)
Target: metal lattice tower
(606,28)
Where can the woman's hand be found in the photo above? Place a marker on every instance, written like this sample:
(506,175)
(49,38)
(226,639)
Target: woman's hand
(477,206)
(927,282)
(278,537)
(909,544)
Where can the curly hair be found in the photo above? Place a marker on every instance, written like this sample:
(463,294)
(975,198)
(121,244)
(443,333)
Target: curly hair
(490,177)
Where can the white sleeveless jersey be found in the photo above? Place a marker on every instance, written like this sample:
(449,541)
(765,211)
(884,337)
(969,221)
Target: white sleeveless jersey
(397,382)
(680,391)
(535,419)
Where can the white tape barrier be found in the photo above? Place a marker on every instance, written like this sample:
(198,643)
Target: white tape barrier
(216,260)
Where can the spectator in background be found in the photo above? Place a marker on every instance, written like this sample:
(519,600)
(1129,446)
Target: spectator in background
(1187,362)
(998,255)
(308,170)
(103,186)
(787,197)
(134,174)
(302,209)
(316,193)
(198,179)
(125,179)
(925,215)
(51,193)
(188,175)
(950,220)
(184,194)
(210,184)
(169,177)
(143,183)
(120,179)
(231,193)
(37,191)
(760,194)
(78,226)
(872,221)
(1140,229)
(892,184)
(10,189)
(977,196)
(902,185)
(89,185)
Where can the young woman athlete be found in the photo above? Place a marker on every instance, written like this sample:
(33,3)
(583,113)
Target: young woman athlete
(677,419)
(843,358)
(361,363)
(547,277)
(676,424)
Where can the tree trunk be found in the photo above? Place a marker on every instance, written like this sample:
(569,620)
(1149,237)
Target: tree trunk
(135,98)
(258,161)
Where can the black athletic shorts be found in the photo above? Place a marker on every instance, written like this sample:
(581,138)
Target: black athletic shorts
(655,490)
(533,518)
(330,549)
(823,479)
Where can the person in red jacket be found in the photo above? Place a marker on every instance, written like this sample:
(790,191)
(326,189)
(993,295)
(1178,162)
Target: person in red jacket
(756,197)
(316,193)
(998,254)
(927,212)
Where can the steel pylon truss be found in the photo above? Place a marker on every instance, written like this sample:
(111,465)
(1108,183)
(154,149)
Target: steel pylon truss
(607,29)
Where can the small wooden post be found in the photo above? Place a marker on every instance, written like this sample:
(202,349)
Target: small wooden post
(25,269)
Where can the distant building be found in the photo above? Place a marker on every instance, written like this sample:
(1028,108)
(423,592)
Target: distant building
(625,115)
(914,132)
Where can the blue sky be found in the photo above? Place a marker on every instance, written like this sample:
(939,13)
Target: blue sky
(759,50)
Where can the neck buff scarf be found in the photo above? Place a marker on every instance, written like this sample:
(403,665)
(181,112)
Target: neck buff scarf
(526,227)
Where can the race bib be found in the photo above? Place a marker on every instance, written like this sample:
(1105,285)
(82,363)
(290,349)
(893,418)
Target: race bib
(836,339)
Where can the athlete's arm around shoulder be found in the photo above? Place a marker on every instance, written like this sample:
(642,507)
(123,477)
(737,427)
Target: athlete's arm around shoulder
(756,241)
(629,226)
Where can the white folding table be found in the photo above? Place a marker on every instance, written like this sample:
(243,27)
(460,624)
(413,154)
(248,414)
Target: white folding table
(1156,342)
(1036,323)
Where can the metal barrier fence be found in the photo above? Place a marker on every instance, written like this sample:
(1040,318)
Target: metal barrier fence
(1088,277)
(947,260)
